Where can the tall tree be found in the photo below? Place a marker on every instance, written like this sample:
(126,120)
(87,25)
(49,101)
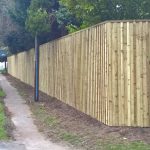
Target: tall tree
(38,22)
(94,11)
(20,39)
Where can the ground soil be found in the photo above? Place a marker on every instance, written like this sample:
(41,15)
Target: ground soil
(63,123)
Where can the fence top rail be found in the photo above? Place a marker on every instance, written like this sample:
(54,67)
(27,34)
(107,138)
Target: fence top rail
(101,23)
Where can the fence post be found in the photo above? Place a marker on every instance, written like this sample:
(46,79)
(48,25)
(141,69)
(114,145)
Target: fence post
(36,90)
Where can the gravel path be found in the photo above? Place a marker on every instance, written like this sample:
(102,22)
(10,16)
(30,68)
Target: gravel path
(26,133)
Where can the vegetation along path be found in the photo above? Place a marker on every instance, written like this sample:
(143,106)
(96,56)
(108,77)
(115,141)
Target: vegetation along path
(26,132)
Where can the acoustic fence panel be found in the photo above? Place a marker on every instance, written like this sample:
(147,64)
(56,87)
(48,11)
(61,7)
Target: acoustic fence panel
(103,71)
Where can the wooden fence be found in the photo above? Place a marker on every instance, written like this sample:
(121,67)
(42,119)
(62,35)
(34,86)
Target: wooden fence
(103,71)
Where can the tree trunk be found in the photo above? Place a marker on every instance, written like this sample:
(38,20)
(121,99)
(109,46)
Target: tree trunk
(36,95)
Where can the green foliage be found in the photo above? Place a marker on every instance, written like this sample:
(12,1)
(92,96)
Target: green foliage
(21,39)
(18,41)
(65,17)
(19,13)
(37,21)
(40,4)
(72,28)
(95,11)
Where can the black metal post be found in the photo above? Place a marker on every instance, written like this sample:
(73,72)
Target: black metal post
(36,92)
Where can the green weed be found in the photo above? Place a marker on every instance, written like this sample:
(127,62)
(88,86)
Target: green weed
(3,133)
(128,146)
(2,94)
(71,138)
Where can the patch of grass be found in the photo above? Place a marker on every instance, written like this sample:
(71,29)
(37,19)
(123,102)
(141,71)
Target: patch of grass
(45,118)
(2,94)
(3,133)
(3,119)
(71,138)
(51,121)
(128,146)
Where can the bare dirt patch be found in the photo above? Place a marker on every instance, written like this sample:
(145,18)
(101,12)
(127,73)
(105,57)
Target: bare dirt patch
(61,122)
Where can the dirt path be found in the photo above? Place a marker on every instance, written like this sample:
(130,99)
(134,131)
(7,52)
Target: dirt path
(26,132)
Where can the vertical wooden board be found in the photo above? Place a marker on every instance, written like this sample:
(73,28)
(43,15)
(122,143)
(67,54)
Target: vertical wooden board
(75,69)
(94,72)
(128,75)
(54,68)
(101,73)
(138,75)
(89,74)
(125,74)
(40,68)
(141,74)
(148,69)
(87,82)
(72,71)
(65,72)
(61,71)
(47,67)
(82,70)
(77,59)
(59,78)
(68,71)
(84,74)
(79,71)
(119,74)
(90,62)
(145,99)
(98,74)
(48,70)
(122,76)
(132,73)
(109,48)
(106,73)
(104,77)
(114,73)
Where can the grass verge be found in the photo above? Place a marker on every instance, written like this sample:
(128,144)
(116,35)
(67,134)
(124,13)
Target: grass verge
(3,119)
(3,133)
(137,145)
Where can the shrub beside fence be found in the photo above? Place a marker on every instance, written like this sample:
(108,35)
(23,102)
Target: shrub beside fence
(103,71)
